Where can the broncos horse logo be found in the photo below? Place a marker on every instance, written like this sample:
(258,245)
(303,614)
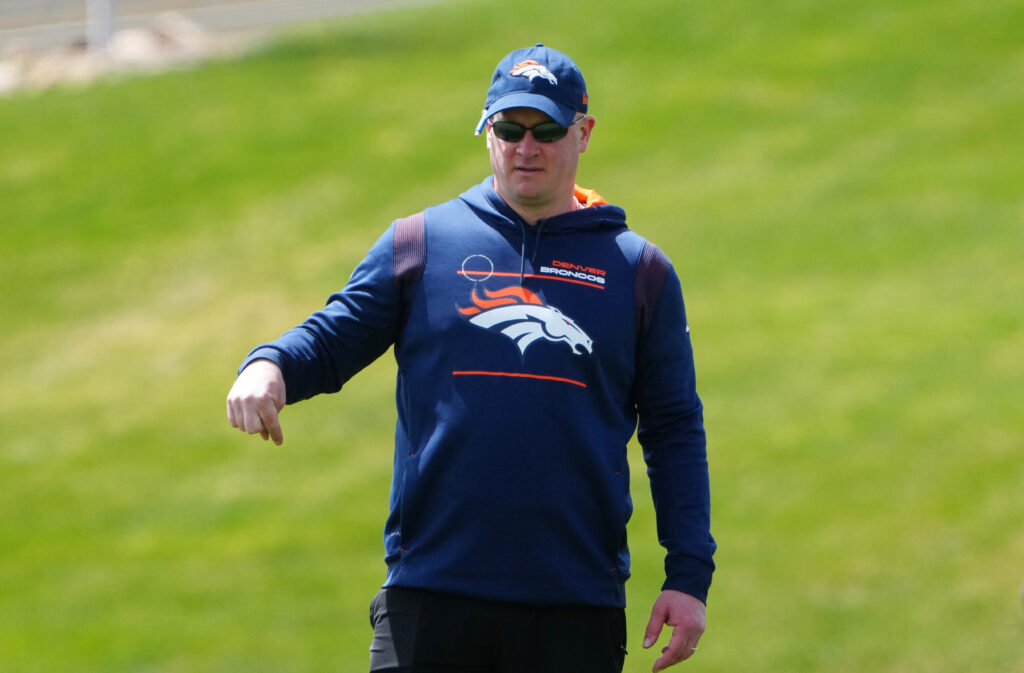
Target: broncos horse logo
(533,69)
(521,316)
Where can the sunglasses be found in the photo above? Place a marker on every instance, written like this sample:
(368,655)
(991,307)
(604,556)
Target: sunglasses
(547,132)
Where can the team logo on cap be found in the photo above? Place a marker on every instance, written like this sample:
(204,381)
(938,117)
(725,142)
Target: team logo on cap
(533,70)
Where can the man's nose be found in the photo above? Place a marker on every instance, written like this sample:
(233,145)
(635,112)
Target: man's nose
(528,145)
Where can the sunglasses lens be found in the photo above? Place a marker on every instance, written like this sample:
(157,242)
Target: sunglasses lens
(509,131)
(548,132)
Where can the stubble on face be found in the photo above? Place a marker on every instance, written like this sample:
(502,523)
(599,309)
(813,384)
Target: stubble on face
(536,179)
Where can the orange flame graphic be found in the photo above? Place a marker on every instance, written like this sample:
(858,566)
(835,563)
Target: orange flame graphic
(505,297)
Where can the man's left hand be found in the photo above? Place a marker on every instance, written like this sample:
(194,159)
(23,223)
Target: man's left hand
(686,615)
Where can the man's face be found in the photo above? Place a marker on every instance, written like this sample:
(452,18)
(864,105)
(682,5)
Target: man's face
(535,178)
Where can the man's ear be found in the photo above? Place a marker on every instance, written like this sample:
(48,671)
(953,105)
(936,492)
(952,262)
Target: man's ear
(586,127)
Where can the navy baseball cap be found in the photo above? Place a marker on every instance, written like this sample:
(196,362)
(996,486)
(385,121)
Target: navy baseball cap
(537,77)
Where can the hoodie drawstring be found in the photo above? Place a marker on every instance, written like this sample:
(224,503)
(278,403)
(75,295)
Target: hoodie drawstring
(522,255)
(536,242)
(522,249)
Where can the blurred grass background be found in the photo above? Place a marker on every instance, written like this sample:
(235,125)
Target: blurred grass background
(839,185)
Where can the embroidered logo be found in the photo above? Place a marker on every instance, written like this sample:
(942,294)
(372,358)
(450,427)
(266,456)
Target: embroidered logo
(578,272)
(521,316)
(533,70)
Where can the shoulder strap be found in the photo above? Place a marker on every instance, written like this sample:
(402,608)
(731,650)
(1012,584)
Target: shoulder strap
(410,249)
(410,253)
(650,279)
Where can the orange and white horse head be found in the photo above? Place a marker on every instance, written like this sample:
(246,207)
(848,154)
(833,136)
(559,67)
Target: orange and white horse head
(533,69)
(521,316)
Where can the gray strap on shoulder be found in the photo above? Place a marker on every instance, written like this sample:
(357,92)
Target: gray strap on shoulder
(651,272)
(410,253)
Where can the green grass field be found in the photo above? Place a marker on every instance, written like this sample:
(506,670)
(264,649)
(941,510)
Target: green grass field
(839,184)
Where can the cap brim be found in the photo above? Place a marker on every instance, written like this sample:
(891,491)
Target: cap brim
(560,114)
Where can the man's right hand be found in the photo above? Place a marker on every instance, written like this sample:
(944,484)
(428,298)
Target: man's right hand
(256,399)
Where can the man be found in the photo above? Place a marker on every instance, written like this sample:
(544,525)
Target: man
(532,330)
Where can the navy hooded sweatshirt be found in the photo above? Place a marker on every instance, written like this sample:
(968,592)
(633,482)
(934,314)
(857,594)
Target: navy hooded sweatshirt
(526,356)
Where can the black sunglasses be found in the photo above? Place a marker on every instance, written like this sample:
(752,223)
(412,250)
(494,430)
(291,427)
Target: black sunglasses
(546,132)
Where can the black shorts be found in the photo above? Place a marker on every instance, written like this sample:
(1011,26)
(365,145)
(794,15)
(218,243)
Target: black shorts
(418,631)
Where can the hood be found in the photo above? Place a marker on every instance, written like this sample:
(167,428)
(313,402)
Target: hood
(595,214)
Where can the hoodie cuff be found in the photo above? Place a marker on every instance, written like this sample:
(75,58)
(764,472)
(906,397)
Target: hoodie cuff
(689,575)
(263,353)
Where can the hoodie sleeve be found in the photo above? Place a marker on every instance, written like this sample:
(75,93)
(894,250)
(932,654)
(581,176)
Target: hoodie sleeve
(671,433)
(356,326)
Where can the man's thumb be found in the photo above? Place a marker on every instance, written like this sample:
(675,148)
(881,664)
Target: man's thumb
(654,626)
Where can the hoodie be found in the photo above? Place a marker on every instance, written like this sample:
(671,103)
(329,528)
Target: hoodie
(527,358)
